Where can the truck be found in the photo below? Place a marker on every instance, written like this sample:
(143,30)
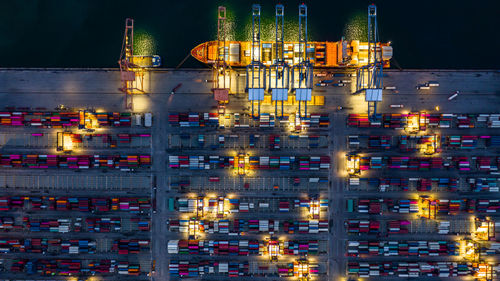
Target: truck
(173,247)
(454,95)
(350,205)
(171,204)
(175,88)
(321,74)
(138,120)
(154,200)
(148,119)
(343,107)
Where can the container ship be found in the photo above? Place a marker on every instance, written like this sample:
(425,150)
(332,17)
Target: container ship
(341,54)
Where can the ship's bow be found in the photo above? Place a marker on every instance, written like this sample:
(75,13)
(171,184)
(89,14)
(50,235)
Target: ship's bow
(200,52)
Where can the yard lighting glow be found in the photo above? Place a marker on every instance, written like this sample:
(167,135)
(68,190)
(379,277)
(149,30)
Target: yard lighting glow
(193,227)
(413,125)
(314,209)
(273,249)
(220,207)
(427,208)
(301,269)
(484,229)
(353,164)
(468,250)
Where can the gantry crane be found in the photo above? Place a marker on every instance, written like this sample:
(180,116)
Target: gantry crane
(132,67)
(256,70)
(279,69)
(373,84)
(131,75)
(193,227)
(200,207)
(273,249)
(220,69)
(303,67)
(301,269)
(485,229)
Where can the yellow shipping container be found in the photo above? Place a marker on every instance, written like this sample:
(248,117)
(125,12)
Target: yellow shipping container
(319,100)
(267,100)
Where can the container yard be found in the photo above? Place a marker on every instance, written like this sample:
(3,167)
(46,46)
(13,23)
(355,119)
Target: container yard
(76,194)
(290,164)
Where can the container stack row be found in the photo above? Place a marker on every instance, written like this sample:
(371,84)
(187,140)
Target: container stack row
(65,267)
(190,205)
(240,226)
(63,119)
(239,247)
(122,162)
(410,269)
(402,248)
(190,269)
(81,204)
(255,162)
(193,119)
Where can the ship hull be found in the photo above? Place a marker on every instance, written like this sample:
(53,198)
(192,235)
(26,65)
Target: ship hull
(341,54)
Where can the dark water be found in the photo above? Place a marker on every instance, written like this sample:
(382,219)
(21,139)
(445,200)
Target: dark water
(69,33)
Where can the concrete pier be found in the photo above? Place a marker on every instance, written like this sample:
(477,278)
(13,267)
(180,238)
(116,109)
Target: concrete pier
(99,89)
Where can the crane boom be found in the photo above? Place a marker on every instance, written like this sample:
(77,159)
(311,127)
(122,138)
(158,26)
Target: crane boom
(255,33)
(304,68)
(220,84)
(128,42)
(131,75)
(256,70)
(279,71)
(374,52)
(280,29)
(370,77)
(302,32)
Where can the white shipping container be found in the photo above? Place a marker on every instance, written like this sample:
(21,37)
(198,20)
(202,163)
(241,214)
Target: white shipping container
(148,119)
(138,120)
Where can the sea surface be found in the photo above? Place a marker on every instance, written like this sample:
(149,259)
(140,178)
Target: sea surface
(71,33)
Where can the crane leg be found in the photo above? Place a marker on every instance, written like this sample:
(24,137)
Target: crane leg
(281,109)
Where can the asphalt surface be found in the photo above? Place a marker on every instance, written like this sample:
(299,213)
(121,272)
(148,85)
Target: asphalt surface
(479,93)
